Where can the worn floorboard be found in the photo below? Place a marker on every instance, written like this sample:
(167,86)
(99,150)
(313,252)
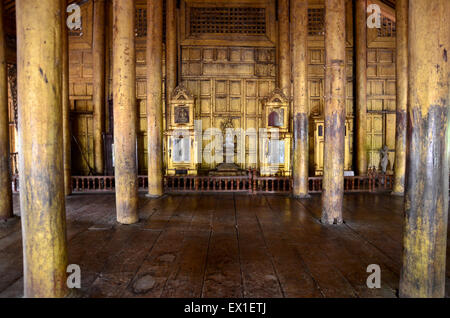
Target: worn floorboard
(224,245)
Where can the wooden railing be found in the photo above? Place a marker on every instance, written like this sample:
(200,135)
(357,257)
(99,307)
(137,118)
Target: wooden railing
(272,185)
(207,184)
(370,183)
(100,184)
(251,183)
(93,184)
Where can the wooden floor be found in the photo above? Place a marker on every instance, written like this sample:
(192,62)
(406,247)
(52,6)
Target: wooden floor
(224,246)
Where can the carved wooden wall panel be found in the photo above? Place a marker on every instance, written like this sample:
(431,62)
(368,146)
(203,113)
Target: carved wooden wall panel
(83,147)
(381,82)
(80,91)
(229,82)
(141,95)
(80,74)
(381,88)
(381,104)
(229,76)
(316,74)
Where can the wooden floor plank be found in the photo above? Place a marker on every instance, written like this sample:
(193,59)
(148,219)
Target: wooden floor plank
(155,270)
(203,217)
(352,254)
(11,268)
(153,273)
(224,245)
(260,279)
(186,279)
(163,211)
(130,257)
(126,250)
(8,227)
(294,276)
(223,270)
(305,235)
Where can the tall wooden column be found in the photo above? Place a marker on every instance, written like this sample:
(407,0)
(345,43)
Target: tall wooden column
(98,56)
(426,196)
(6,208)
(299,35)
(42,201)
(154,96)
(333,175)
(401,11)
(284,53)
(125,112)
(361,85)
(67,137)
(171,51)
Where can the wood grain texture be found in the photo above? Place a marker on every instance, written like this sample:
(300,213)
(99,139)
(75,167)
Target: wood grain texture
(225,246)
(39,68)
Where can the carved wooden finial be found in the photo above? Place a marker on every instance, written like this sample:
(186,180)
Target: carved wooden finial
(277,96)
(181,93)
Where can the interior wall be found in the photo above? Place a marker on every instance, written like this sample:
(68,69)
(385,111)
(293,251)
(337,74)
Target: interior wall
(81,90)
(230,77)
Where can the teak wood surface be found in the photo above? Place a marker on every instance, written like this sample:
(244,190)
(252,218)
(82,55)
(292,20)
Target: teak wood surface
(224,246)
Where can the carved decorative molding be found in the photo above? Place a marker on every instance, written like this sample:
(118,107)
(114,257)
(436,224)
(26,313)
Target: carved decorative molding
(277,96)
(180,93)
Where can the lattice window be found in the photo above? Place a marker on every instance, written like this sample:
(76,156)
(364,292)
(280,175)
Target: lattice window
(242,20)
(316,21)
(388,28)
(141,22)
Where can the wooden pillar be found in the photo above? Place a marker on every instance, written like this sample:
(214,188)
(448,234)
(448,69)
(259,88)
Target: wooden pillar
(108,66)
(98,56)
(67,137)
(426,196)
(125,112)
(284,56)
(299,35)
(171,52)
(401,11)
(42,204)
(333,175)
(6,207)
(361,85)
(154,97)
